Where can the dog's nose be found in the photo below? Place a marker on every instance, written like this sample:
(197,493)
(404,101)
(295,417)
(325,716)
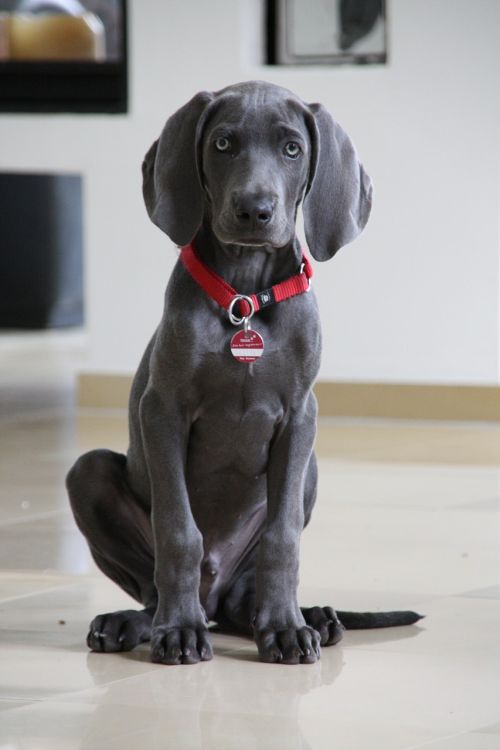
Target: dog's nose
(255,211)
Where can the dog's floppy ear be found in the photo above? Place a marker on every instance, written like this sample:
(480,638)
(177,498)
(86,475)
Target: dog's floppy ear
(338,200)
(171,184)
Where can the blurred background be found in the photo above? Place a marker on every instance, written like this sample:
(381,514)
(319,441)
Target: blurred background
(414,301)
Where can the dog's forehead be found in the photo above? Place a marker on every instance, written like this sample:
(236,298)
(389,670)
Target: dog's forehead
(258,105)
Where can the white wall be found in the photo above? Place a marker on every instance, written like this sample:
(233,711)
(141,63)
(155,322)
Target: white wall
(416,298)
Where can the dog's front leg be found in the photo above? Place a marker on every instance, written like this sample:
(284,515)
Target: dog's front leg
(179,634)
(280,630)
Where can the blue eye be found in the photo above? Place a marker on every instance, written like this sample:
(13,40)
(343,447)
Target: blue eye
(292,150)
(222,143)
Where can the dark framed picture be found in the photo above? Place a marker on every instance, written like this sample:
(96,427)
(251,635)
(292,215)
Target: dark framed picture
(326,32)
(63,56)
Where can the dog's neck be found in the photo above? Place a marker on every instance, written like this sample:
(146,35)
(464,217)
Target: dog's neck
(246,268)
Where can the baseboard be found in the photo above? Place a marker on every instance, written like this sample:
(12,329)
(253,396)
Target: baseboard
(383,400)
(406,401)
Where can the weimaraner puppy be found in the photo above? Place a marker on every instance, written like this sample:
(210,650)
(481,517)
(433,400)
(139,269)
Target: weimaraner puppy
(201,520)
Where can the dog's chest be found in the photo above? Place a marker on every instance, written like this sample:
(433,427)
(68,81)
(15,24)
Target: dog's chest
(232,430)
(235,407)
(279,340)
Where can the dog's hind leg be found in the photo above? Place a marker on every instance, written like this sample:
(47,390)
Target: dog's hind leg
(118,532)
(238,608)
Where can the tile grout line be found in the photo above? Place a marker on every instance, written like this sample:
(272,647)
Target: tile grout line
(429,743)
(79,693)
(36,593)
(33,517)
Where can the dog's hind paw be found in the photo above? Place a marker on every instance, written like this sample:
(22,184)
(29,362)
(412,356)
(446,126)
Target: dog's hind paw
(119,631)
(326,622)
(180,645)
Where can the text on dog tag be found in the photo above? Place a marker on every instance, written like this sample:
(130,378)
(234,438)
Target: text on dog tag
(247,346)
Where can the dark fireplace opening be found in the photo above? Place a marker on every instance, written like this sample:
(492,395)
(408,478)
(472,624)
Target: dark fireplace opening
(41,251)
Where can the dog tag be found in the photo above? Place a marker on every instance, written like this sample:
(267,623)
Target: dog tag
(247,345)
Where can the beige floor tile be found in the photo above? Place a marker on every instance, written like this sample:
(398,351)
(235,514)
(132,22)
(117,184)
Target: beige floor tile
(104,726)
(417,442)
(407,517)
(16,585)
(464,741)
(13,703)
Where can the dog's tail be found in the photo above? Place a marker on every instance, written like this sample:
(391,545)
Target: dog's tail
(365,620)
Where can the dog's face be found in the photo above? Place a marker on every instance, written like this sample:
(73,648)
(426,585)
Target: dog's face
(244,158)
(254,162)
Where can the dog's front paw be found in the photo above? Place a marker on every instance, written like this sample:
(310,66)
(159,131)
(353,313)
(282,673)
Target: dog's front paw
(290,646)
(170,645)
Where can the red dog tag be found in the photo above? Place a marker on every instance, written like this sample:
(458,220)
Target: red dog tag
(247,346)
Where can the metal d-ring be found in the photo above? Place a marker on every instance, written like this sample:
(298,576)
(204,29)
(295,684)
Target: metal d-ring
(301,270)
(235,320)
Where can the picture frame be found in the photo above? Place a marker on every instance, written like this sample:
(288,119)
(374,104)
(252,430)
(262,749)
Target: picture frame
(100,85)
(326,32)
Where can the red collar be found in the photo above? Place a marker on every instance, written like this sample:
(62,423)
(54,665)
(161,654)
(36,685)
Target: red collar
(224,294)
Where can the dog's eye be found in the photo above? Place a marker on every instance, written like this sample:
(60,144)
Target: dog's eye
(292,149)
(222,143)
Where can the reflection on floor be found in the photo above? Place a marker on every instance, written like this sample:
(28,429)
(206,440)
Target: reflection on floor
(407,516)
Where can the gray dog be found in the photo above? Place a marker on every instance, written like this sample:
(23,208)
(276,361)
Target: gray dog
(201,520)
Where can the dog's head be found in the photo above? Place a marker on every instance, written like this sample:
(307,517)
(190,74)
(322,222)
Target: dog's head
(246,157)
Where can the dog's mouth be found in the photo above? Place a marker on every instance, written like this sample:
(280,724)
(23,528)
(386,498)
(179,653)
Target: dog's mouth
(249,242)
(251,237)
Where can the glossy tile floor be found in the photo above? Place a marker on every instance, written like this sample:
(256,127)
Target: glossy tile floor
(407,516)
